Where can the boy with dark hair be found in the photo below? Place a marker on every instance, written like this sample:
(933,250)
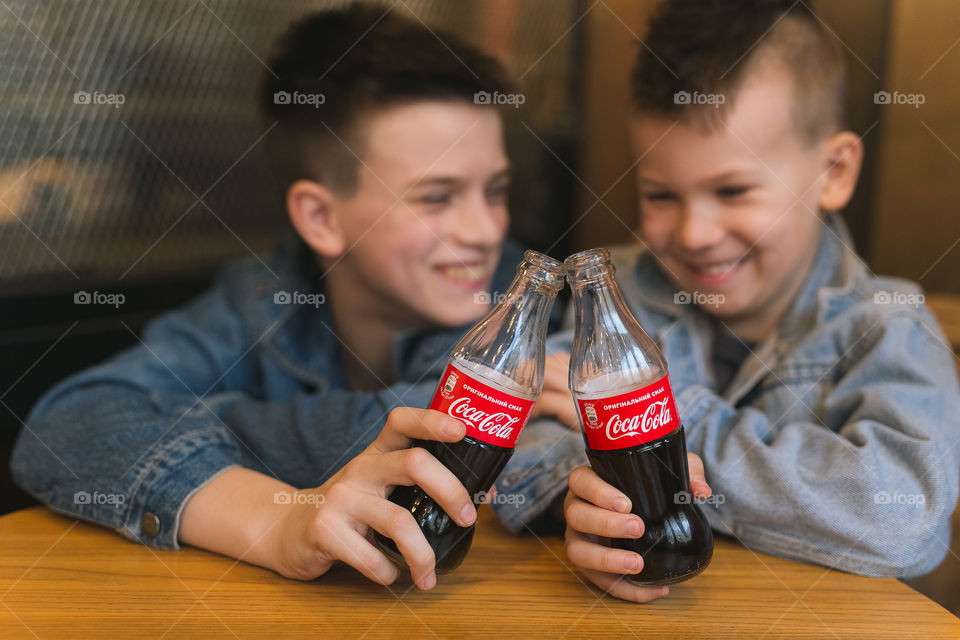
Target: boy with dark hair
(283,374)
(822,399)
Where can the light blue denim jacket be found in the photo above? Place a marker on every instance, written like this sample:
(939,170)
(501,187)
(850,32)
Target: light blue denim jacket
(234,378)
(837,440)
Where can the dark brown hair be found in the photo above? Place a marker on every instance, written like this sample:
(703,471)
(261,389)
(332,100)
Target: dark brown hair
(710,46)
(335,68)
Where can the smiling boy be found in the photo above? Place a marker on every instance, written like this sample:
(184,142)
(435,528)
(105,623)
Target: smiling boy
(396,184)
(826,418)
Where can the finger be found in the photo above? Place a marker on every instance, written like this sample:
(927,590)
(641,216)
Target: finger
(585,483)
(350,547)
(560,405)
(618,587)
(556,372)
(698,480)
(587,554)
(405,424)
(489,495)
(594,520)
(398,524)
(416,466)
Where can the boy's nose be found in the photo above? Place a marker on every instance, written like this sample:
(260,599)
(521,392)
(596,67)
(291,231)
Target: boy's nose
(477,223)
(698,231)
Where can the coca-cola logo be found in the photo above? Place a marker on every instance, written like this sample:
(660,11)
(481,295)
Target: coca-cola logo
(656,415)
(498,424)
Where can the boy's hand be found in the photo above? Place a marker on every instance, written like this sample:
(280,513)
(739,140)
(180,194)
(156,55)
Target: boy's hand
(595,512)
(555,400)
(337,525)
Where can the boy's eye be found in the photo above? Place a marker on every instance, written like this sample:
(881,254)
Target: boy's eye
(732,192)
(435,199)
(498,193)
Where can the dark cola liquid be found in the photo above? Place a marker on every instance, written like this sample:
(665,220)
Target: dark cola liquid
(677,543)
(476,464)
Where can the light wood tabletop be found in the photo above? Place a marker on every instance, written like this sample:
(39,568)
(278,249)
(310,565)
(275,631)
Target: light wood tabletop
(63,578)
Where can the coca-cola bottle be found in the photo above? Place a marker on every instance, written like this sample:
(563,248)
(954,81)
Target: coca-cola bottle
(494,376)
(632,431)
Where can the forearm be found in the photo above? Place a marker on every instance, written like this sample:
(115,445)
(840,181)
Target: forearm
(311,435)
(805,491)
(235,514)
(109,457)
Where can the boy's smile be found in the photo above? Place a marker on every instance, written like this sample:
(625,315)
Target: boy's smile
(732,209)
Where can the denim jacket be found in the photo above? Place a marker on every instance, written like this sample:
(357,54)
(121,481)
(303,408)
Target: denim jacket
(248,374)
(837,440)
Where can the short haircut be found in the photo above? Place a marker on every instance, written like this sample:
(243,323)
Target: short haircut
(711,46)
(334,69)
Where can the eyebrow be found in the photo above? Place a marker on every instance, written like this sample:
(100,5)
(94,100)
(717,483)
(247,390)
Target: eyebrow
(452,181)
(735,174)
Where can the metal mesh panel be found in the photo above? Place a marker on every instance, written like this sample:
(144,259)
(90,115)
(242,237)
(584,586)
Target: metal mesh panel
(172,178)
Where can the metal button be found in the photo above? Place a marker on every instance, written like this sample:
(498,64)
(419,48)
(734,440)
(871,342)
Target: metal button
(150,524)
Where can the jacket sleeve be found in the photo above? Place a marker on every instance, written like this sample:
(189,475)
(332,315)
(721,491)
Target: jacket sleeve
(142,432)
(102,446)
(869,485)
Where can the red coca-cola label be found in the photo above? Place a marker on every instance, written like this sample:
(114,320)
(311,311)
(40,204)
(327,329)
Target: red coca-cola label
(491,415)
(629,419)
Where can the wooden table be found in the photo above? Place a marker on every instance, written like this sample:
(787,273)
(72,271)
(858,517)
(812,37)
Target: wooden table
(63,578)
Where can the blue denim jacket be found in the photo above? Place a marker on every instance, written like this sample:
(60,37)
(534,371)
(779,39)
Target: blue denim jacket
(837,440)
(234,378)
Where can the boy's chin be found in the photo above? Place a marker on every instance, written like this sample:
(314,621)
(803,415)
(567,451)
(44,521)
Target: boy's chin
(468,314)
(715,305)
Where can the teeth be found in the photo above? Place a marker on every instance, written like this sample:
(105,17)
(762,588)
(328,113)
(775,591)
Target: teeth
(465,273)
(718,269)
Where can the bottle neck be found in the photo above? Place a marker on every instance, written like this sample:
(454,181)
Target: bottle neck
(612,349)
(506,346)
(599,300)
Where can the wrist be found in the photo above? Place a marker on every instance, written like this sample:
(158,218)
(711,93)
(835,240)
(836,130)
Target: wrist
(237,515)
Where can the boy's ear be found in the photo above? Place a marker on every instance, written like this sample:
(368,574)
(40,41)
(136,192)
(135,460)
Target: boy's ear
(313,212)
(844,155)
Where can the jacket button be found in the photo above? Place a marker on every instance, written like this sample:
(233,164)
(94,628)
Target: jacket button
(150,525)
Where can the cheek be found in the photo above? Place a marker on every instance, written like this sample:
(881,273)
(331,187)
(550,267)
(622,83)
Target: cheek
(785,243)
(408,237)
(502,219)
(656,227)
